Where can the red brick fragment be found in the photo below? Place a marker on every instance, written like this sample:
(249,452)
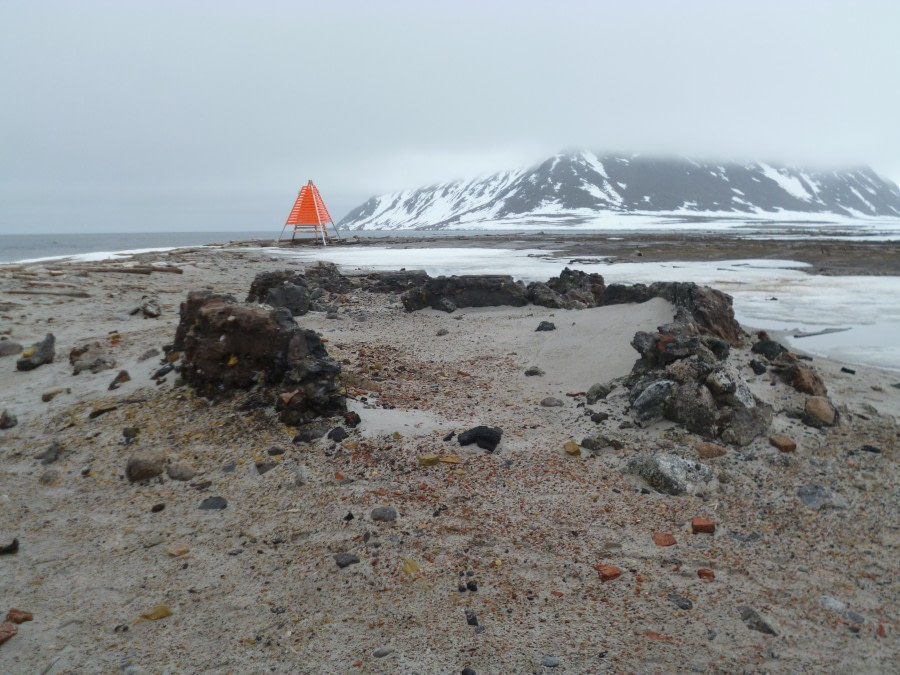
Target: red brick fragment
(7,630)
(607,572)
(702,525)
(663,539)
(706,574)
(18,616)
(573,394)
(783,443)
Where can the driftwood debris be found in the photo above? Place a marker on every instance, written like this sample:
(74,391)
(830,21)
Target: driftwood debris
(67,294)
(137,269)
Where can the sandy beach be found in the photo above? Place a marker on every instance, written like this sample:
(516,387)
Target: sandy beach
(493,561)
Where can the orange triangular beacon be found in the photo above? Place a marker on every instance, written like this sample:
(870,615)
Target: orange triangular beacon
(309,215)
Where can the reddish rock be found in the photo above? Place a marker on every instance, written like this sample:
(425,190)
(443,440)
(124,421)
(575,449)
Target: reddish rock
(663,539)
(18,616)
(805,380)
(783,443)
(607,572)
(819,412)
(706,574)
(709,450)
(7,630)
(702,525)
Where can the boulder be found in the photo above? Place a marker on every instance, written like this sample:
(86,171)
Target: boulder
(769,348)
(38,354)
(294,297)
(8,348)
(649,403)
(670,474)
(8,420)
(393,281)
(448,293)
(597,392)
(227,346)
(740,425)
(265,281)
(572,289)
(692,405)
(804,379)
(818,412)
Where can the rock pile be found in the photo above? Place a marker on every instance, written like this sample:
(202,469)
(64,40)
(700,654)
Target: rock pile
(300,292)
(448,293)
(228,346)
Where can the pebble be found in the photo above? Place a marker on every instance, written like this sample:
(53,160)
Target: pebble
(274,451)
(472,585)
(48,396)
(607,572)
(754,621)
(468,671)
(783,443)
(706,574)
(545,326)
(853,616)
(50,477)
(709,450)
(663,539)
(681,601)
(156,508)
(7,631)
(265,467)
(702,526)
(338,434)
(471,619)
(345,559)
(119,380)
(832,603)
(180,471)
(598,417)
(8,420)
(381,652)
(461,588)
(551,402)
(384,514)
(213,504)
(442,332)
(144,466)
(534,371)
(51,454)
(18,616)
(550,662)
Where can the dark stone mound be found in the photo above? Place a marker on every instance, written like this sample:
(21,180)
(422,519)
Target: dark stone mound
(265,281)
(228,346)
(393,281)
(299,292)
(572,289)
(448,293)
(38,354)
(487,438)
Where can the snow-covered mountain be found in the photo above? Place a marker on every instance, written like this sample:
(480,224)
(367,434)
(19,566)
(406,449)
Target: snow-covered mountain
(582,187)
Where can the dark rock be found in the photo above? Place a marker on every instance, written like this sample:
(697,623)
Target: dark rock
(381,652)
(472,585)
(352,419)
(448,293)
(119,380)
(681,601)
(449,437)
(598,417)
(693,406)
(156,508)
(38,354)
(719,347)
(471,619)
(769,348)
(213,504)
(757,367)
(338,434)
(871,448)
(265,281)
(597,392)
(487,438)
(468,671)
(51,454)
(275,451)
(327,276)
(345,559)
(149,354)
(265,467)
(534,371)
(651,401)
(552,402)
(144,466)
(545,326)
(101,410)
(8,420)
(754,621)
(849,371)
(293,297)
(818,497)
(228,468)
(393,281)
(311,431)
(129,434)
(595,443)
(442,332)
(550,662)
(11,548)
(229,347)
(855,618)
(8,348)
(384,514)
(162,372)
(572,289)
(670,474)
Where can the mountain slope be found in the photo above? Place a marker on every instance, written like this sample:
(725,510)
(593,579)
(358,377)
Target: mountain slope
(575,187)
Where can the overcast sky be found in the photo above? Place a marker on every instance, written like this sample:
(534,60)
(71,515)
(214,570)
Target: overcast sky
(188,115)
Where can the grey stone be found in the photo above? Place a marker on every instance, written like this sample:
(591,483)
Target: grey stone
(550,662)
(681,601)
(534,371)
(40,353)
(670,474)
(442,332)
(345,559)
(180,471)
(144,466)
(833,604)
(51,454)
(754,621)
(381,652)
(213,504)
(818,497)
(551,402)
(545,326)
(384,514)
(597,392)
(8,348)
(596,443)
(650,403)
(8,420)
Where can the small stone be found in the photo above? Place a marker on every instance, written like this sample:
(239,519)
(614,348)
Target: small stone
(571,448)
(709,450)
(8,348)
(471,619)
(381,652)
(832,603)
(275,451)
(180,471)
(468,671)
(157,613)
(783,443)
(384,514)
(818,497)
(149,354)
(48,396)
(144,466)
(607,572)
(38,354)
(758,367)
(442,332)
(213,504)
(598,417)
(7,631)
(11,548)
(597,392)
(706,574)
(754,621)
(681,601)
(551,402)
(264,467)
(51,454)
(663,539)
(874,449)
(849,371)
(853,616)
(534,371)
(101,410)
(8,420)
(119,380)
(472,585)
(50,477)
(19,616)
(461,587)
(818,412)
(177,551)
(550,662)
(352,419)
(486,438)
(129,434)
(156,508)
(702,526)
(428,459)
(345,559)
(338,434)
(545,326)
